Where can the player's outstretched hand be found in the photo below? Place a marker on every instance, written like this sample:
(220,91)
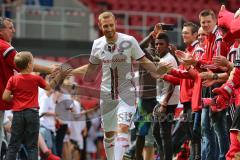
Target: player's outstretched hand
(54,70)
(163,67)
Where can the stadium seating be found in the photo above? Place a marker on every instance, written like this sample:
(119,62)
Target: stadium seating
(187,8)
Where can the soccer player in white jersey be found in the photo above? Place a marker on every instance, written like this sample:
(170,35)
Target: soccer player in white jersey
(115,51)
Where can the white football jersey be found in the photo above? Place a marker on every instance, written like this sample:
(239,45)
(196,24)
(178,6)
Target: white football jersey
(116,60)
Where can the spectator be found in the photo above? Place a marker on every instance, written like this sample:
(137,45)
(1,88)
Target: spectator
(22,89)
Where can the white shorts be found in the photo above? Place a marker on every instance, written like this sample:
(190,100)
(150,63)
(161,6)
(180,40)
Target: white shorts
(114,113)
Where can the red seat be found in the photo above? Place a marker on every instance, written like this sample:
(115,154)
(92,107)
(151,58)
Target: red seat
(136,35)
(169,20)
(134,5)
(164,7)
(145,6)
(122,5)
(151,21)
(136,20)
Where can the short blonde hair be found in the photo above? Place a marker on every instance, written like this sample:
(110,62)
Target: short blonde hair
(105,15)
(22,59)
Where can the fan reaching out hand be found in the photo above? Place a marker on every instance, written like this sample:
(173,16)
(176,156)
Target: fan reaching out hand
(163,68)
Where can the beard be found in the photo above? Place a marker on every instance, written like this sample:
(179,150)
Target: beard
(110,35)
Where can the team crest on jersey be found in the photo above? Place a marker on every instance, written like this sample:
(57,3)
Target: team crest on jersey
(125,44)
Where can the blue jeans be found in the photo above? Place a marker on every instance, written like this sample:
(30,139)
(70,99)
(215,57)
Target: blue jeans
(219,120)
(49,138)
(196,136)
(25,130)
(208,144)
(1,129)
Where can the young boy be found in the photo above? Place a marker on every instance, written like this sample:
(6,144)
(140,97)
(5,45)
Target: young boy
(22,89)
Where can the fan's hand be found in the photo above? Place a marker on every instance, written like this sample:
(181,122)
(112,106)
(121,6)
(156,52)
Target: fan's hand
(221,61)
(157,30)
(208,82)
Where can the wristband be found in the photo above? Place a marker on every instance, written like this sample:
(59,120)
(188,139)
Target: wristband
(215,76)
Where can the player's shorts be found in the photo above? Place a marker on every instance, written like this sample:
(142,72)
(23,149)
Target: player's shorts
(115,112)
(77,145)
(143,116)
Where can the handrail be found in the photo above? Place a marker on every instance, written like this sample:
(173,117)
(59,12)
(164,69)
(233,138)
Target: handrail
(20,15)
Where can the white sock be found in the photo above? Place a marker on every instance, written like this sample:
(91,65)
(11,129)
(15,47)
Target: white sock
(121,145)
(109,147)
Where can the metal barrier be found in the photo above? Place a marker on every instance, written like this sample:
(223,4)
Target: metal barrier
(64,23)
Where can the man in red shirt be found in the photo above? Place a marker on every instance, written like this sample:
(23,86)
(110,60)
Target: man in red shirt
(7,53)
(7,66)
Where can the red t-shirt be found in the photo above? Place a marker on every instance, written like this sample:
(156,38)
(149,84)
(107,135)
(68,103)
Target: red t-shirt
(7,66)
(24,88)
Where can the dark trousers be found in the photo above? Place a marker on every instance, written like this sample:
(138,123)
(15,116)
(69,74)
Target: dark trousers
(162,132)
(188,128)
(60,134)
(25,130)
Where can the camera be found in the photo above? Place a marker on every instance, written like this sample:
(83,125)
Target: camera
(168,27)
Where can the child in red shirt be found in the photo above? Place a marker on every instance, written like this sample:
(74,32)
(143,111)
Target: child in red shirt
(22,89)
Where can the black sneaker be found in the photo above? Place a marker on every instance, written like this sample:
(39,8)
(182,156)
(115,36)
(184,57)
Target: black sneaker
(129,156)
